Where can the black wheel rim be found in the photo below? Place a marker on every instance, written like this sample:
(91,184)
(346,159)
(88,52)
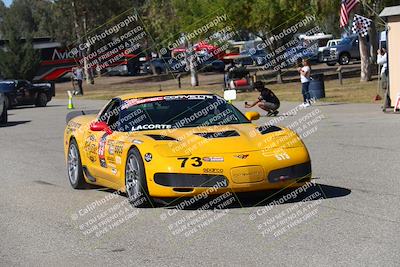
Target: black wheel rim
(73,164)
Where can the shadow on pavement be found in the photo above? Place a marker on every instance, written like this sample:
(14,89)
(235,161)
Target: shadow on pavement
(14,123)
(33,106)
(329,104)
(248,199)
(263,198)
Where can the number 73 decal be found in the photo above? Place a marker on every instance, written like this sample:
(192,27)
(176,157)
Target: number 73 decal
(195,161)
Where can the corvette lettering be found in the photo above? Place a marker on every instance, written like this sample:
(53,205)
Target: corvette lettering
(188,97)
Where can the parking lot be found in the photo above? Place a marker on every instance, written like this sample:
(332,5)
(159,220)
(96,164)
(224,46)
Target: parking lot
(355,152)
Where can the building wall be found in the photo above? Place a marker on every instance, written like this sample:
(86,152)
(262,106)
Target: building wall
(394,56)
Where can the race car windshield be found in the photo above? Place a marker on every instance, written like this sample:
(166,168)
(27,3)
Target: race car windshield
(179,111)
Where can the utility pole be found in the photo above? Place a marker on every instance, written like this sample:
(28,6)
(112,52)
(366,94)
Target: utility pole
(194,79)
(88,72)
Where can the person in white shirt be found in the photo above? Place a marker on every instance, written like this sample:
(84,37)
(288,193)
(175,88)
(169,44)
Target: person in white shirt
(305,72)
(78,77)
(382,60)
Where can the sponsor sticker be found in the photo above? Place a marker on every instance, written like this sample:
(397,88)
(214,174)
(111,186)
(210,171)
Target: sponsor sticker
(213,159)
(148,157)
(212,170)
(134,102)
(151,127)
(111,147)
(188,97)
(242,156)
(102,145)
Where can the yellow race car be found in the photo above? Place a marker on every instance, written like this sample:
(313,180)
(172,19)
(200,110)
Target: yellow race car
(173,144)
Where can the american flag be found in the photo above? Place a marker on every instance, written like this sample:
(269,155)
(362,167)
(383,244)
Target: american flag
(345,9)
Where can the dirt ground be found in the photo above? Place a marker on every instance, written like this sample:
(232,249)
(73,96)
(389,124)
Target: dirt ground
(352,90)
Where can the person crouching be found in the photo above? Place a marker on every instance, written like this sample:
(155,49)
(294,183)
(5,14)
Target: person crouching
(267,100)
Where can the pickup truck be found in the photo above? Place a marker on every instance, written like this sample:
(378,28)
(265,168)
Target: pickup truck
(22,92)
(345,51)
(3,109)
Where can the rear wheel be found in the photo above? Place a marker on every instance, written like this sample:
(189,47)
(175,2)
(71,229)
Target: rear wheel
(4,116)
(74,165)
(135,180)
(7,103)
(158,70)
(344,59)
(41,100)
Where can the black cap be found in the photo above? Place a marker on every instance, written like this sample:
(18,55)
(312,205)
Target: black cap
(259,85)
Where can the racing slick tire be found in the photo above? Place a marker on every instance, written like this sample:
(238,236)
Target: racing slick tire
(41,100)
(8,102)
(135,180)
(158,71)
(74,167)
(4,116)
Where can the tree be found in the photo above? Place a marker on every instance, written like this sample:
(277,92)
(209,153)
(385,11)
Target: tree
(19,60)
(81,19)
(367,8)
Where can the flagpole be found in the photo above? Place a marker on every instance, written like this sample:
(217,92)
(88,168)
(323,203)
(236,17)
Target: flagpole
(380,45)
(375,13)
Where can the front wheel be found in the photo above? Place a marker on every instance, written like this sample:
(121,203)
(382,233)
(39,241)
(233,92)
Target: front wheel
(74,165)
(135,180)
(41,100)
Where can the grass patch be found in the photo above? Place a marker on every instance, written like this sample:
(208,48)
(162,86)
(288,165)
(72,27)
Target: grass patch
(352,90)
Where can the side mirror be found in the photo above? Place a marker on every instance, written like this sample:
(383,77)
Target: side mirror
(252,115)
(100,126)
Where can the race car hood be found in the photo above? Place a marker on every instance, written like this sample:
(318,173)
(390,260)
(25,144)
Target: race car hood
(218,139)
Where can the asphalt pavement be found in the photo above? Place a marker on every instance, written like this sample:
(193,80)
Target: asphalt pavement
(351,218)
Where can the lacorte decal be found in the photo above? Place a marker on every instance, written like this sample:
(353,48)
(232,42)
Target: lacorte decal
(151,127)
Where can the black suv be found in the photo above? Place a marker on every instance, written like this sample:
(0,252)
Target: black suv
(21,92)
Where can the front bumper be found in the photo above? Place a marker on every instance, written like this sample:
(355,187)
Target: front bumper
(332,56)
(260,171)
